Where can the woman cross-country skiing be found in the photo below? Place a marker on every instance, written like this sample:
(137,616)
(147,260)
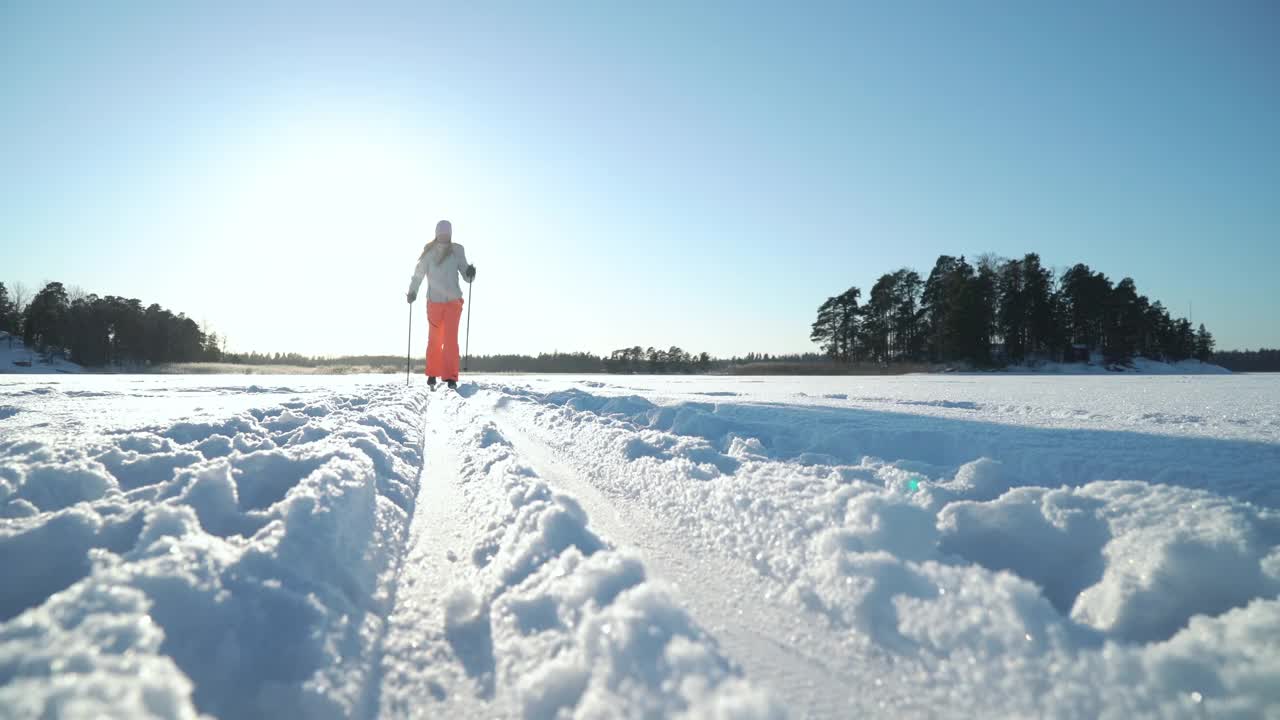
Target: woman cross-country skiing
(441,262)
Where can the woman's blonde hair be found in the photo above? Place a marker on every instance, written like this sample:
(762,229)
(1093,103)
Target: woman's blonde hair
(448,249)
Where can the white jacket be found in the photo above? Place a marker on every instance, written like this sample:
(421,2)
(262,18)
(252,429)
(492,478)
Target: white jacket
(442,277)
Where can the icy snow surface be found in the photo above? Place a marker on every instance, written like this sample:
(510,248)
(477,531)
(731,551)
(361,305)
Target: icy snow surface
(540,547)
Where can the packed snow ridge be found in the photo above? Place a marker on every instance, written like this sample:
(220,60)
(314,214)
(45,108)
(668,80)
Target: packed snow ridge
(242,567)
(567,547)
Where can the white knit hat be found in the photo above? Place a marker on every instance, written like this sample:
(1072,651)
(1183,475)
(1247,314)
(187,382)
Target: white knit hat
(444,227)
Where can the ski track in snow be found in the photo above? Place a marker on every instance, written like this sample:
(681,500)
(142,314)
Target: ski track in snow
(510,605)
(528,548)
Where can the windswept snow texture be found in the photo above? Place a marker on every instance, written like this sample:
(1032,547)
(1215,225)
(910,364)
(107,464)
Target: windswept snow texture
(238,568)
(554,547)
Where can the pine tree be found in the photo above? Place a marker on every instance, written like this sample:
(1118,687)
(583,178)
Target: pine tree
(45,324)
(1011,313)
(1182,341)
(906,290)
(985,297)
(825,331)
(969,323)
(935,308)
(1204,344)
(1041,306)
(7,314)
(211,351)
(848,323)
(1085,296)
(837,326)
(877,336)
(1123,322)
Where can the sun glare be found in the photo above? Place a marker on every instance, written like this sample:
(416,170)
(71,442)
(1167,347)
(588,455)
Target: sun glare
(342,190)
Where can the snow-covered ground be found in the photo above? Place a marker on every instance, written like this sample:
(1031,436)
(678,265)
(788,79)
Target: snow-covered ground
(16,358)
(537,546)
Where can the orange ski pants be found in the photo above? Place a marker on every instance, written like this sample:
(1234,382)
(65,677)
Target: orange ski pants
(442,338)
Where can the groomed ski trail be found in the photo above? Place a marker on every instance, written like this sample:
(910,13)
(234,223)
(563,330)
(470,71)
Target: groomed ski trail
(419,662)
(511,603)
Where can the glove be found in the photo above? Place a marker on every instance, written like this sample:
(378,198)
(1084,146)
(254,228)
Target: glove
(411,296)
(471,273)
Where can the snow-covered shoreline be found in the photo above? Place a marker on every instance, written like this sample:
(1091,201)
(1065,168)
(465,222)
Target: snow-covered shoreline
(16,359)
(1136,366)
(11,351)
(931,545)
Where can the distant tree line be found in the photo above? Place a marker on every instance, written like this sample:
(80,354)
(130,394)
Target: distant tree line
(627,360)
(257,358)
(543,362)
(767,357)
(1001,311)
(554,362)
(1261,360)
(992,312)
(656,360)
(673,360)
(97,331)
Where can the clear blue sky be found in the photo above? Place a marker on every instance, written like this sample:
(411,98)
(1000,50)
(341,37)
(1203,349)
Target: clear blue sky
(699,174)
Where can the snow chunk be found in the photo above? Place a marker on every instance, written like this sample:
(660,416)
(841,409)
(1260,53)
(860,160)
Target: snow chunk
(211,492)
(53,486)
(285,421)
(152,465)
(40,559)
(216,446)
(1053,537)
(982,479)
(191,432)
(1126,558)
(883,522)
(642,653)
(1165,539)
(545,530)
(92,651)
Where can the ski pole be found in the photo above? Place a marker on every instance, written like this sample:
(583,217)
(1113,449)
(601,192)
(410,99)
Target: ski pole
(409,347)
(467,361)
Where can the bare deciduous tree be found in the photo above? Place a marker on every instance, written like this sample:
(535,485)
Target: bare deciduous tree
(21,296)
